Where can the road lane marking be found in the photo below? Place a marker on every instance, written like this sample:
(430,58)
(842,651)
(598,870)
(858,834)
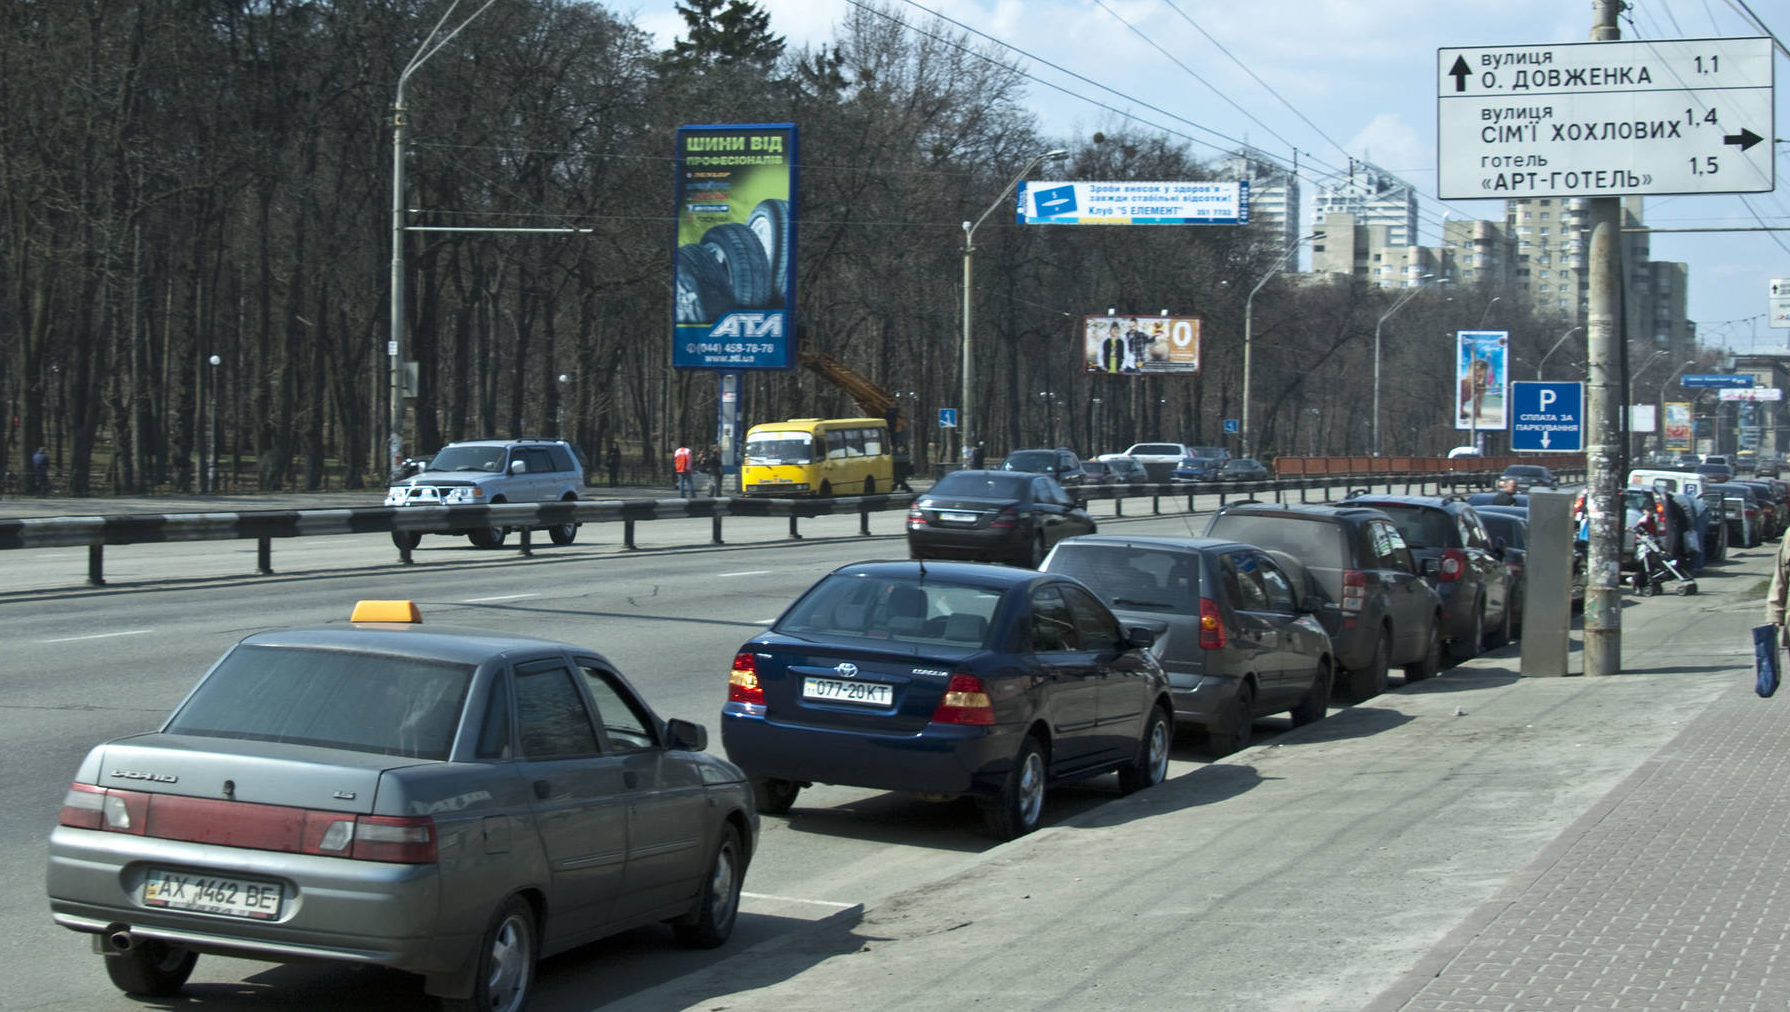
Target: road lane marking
(500,597)
(100,636)
(797,899)
(749,572)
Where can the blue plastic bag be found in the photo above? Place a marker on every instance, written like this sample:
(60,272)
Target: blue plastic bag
(1765,659)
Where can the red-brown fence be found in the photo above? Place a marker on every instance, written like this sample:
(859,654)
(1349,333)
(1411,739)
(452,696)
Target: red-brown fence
(1298,466)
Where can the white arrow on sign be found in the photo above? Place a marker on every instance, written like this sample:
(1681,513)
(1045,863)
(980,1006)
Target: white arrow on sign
(1546,438)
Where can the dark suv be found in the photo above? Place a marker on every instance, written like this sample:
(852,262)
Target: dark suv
(480,472)
(1458,558)
(1359,579)
(1061,464)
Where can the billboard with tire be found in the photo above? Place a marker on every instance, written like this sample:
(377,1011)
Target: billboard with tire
(734,256)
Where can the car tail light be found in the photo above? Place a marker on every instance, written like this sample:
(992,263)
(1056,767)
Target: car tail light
(742,681)
(393,839)
(916,517)
(1211,625)
(966,702)
(1006,519)
(1354,595)
(1454,565)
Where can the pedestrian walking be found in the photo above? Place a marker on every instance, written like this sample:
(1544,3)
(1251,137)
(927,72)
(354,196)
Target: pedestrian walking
(978,456)
(711,466)
(683,466)
(1780,589)
(613,462)
(904,466)
(40,471)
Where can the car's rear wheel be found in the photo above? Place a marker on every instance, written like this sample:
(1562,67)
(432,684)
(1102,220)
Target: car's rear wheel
(1430,664)
(1468,647)
(506,968)
(1234,732)
(150,968)
(407,540)
(1316,703)
(869,486)
(774,797)
(719,906)
(1368,682)
(563,534)
(1151,766)
(1016,810)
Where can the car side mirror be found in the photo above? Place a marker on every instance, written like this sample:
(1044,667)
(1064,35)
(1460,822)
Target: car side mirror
(1140,637)
(685,735)
(518,466)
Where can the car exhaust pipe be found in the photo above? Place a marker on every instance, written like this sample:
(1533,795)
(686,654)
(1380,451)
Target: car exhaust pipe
(119,941)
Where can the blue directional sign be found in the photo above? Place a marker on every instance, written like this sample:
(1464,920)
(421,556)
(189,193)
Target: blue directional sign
(1547,417)
(1716,380)
(1230,425)
(947,418)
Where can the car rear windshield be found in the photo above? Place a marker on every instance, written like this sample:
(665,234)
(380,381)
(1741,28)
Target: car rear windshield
(1029,460)
(978,483)
(1501,526)
(1422,527)
(1525,471)
(905,610)
(469,458)
(1157,449)
(381,703)
(1132,578)
(1207,451)
(1311,540)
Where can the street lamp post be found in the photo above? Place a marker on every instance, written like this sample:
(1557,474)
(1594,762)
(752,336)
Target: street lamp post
(211,468)
(1248,326)
(394,348)
(1396,306)
(1556,347)
(969,246)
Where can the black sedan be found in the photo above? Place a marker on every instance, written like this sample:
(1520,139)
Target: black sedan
(1240,469)
(947,679)
(994,516)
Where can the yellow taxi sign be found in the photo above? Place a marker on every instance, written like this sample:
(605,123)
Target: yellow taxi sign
(386,611)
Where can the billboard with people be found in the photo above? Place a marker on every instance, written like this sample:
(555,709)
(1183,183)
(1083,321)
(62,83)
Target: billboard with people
(1482,379)
(1141,345)
(734,253)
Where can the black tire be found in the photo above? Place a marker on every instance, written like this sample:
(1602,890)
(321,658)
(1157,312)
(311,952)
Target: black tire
(1151,766)
(486,537)
(774,797)
(150,968)
(563,534)
(506,962)
(1017,810)
(1468,648)
(769,222)
(869,486)
(1316,704)
(1368,682)
(703,291)
(748,270)
(1430,664)
(1238,728)
(407,540)
(718,908)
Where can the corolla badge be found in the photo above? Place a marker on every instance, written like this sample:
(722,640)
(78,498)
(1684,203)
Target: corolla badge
(847,669)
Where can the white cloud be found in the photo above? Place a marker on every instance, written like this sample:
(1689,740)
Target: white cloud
(1391,143)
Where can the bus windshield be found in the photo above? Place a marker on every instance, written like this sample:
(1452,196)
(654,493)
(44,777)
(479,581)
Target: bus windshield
(779,448)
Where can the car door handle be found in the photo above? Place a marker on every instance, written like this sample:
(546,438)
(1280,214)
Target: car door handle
(630,779)
(543,789)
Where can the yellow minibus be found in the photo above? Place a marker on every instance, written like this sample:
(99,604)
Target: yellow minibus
(818,457)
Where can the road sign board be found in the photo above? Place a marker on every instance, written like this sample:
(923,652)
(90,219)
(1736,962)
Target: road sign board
(1780,302)
(947,418)
(1754,394)
(1547,416)
(1231,427)
(1604,119)
(1715,380)
(1128,202)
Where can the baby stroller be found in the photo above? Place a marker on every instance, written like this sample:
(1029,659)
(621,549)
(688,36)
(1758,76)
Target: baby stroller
(1654,567)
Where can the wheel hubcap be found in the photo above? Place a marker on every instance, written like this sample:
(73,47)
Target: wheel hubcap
(721,887)
(510,954)
(1158,750)
(1031,788)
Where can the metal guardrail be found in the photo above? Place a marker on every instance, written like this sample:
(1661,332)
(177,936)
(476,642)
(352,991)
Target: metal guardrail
(97,532)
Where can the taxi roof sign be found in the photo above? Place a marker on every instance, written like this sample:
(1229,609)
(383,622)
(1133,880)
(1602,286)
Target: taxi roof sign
(386,611)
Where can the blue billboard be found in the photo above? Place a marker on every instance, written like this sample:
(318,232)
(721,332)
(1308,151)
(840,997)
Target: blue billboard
(733,256)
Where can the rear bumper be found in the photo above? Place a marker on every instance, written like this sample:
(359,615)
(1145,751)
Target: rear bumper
(1202,699)
(940,758)
(976,545)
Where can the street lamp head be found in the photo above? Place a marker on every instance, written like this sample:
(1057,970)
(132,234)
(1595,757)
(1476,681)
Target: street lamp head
(1054,155)
(214,360)
(563,378)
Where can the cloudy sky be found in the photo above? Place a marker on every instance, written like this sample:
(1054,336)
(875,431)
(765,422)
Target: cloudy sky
(1340,78)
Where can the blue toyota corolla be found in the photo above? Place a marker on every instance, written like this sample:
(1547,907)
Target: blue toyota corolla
(947,678)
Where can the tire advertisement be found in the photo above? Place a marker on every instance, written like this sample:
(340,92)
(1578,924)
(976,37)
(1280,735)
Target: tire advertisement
(1141,345)
(734,257)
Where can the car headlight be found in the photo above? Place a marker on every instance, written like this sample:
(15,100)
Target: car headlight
(464,494)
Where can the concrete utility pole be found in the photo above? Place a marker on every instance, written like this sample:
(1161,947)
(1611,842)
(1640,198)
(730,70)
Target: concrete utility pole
(1603,429)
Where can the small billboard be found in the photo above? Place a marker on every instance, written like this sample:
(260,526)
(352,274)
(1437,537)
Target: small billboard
(1482,377)
(733,253)
(1141,345)
(1131,202)
(1678,425)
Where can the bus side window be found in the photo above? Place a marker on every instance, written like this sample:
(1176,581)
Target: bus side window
(835,444)
(874,442)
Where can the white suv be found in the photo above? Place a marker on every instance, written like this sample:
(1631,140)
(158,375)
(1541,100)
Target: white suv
(1159,459)
(485,471)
